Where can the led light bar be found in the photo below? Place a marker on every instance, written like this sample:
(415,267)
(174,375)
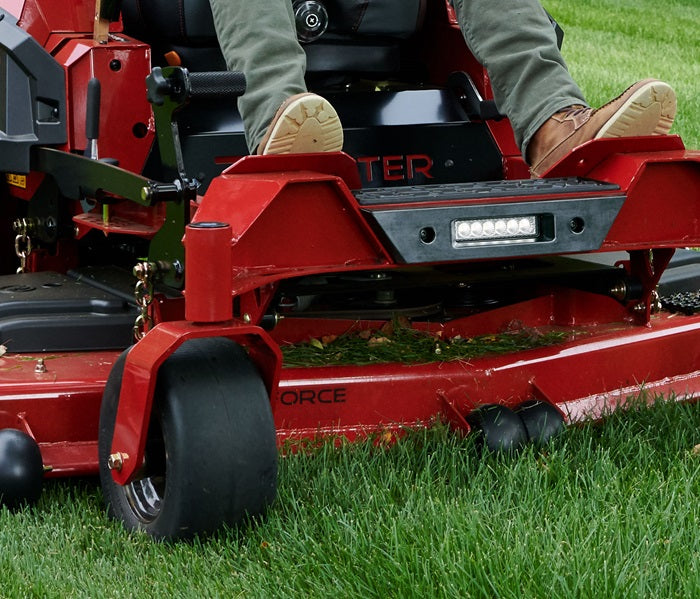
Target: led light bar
(510,229)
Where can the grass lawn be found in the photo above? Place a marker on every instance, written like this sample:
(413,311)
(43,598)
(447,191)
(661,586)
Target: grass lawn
(608,510)
(610,44)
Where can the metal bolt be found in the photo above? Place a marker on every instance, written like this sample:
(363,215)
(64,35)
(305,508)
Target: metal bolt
(247,319)
(40,367)
(146,193)
(178,268)
(116,461)
(619,290)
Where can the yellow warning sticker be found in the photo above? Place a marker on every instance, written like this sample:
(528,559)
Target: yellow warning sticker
(16,180)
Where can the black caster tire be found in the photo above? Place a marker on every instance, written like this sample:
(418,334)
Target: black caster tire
(21,469)
(211,452)
(499,429)
(542,421)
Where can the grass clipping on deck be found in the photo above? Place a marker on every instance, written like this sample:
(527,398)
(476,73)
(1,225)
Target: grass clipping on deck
(396,342)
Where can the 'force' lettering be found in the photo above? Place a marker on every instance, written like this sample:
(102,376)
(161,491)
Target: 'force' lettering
(313,396)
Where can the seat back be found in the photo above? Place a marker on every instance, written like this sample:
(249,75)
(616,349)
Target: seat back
(189,22)
(373,27)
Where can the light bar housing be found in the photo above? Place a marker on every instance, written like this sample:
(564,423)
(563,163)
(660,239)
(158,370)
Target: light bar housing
(432,224)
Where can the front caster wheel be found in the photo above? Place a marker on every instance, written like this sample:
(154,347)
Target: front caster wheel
(211,451)
(499,428)
(542,421)
(21,468)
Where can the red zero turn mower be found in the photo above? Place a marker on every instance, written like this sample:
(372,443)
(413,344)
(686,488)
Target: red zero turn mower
(180,307)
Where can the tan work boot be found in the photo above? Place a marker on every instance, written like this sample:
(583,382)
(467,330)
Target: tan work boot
(304,123)
(646,108)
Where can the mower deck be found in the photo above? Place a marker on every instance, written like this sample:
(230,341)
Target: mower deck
(598,369)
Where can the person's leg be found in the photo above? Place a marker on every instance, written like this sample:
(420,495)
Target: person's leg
(259,39)
(517,45)
(532,86)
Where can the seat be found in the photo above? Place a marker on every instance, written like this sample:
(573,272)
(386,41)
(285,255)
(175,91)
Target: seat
(368,63)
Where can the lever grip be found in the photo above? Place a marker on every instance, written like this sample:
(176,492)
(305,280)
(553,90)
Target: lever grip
(178,84)
(216,84)
(92,109)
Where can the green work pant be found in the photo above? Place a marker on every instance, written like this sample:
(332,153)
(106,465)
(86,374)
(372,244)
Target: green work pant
(517,45)
(259,39)
(514,40)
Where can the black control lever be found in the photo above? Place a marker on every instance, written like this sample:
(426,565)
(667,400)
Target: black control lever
(470,99)
(92,117)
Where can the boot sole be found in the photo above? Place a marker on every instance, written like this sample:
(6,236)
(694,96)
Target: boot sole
(304,124)
(649,110)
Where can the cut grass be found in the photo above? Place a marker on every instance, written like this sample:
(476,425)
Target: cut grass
(397,342)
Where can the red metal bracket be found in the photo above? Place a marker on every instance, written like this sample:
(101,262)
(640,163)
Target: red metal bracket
(648,267)
(454,417)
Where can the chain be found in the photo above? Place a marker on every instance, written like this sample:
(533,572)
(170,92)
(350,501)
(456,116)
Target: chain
(23,243)
(686,302)
(143,293)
